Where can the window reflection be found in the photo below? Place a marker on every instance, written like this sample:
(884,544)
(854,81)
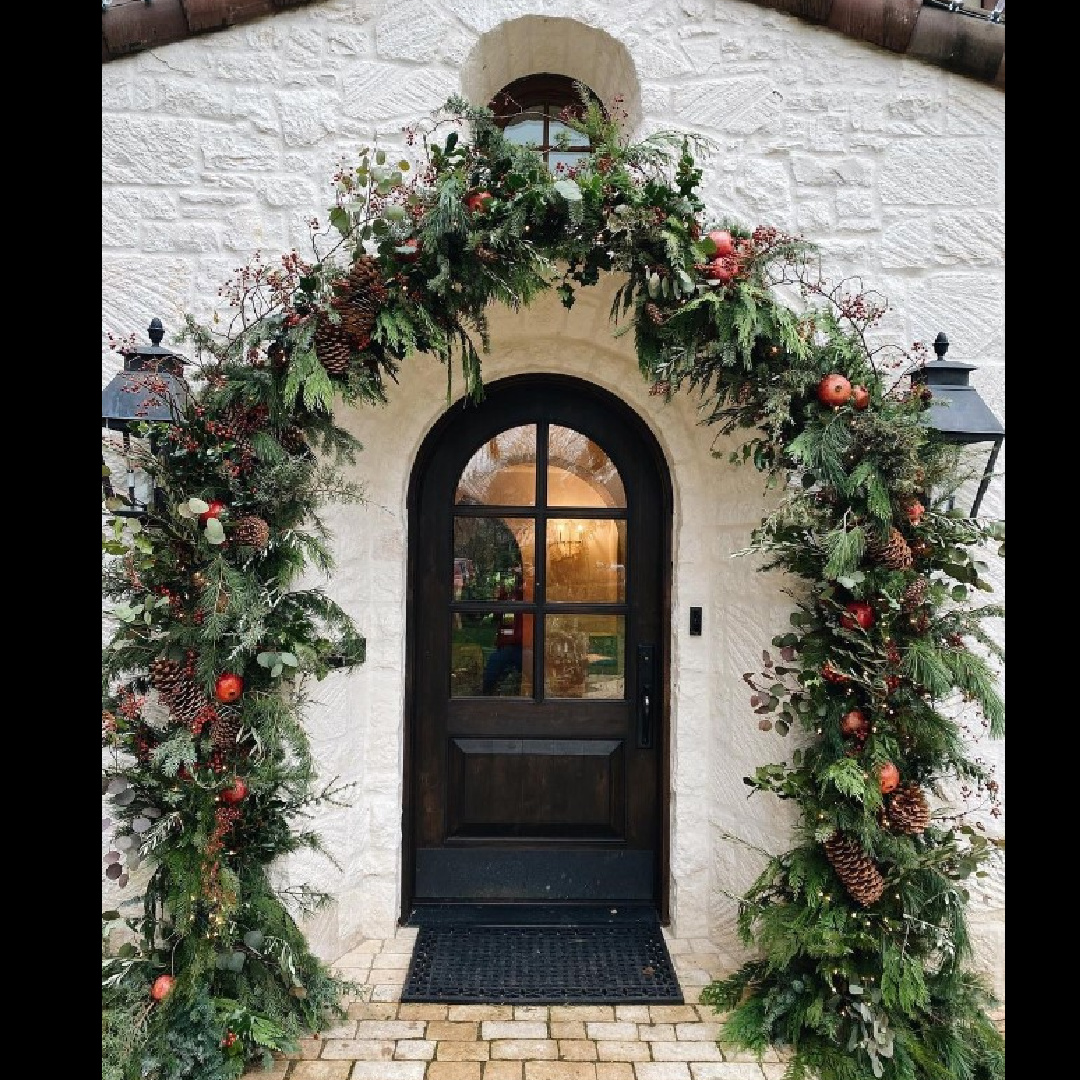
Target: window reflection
(579,471)
(586,560)
(491,654)
(494,557)
(584,656)
(502,472)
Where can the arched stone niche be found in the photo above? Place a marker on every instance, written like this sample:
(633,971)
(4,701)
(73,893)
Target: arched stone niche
(535,43)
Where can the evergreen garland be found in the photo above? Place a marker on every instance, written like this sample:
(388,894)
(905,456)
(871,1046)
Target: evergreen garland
(858,931)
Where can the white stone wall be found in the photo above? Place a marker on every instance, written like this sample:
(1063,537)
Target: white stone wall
(222,146)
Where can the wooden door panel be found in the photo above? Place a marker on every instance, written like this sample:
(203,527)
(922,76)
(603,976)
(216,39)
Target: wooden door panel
(549,788)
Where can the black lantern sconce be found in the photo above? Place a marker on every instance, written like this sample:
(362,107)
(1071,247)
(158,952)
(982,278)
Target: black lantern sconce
(956,410)
(150,390)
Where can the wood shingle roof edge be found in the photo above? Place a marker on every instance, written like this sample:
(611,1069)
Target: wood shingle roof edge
(946,33)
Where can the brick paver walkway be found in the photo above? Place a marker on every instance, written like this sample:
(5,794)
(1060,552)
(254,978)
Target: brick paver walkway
(386,1039)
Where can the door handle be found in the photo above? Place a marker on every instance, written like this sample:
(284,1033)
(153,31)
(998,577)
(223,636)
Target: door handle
(646,679)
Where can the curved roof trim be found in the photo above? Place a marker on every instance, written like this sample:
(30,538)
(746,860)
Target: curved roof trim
(936,33)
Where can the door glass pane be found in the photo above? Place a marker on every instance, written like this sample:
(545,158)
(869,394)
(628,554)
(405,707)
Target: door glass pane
(579,472)
(491,653)
(586,560)
(584,656)
(494,558)
(502,472)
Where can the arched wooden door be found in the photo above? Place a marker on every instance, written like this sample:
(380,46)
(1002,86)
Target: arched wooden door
(538,597)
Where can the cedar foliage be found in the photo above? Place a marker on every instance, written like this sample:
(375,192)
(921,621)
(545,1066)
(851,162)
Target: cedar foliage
(845,989)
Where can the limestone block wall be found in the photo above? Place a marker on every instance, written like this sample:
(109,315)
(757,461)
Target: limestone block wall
(222,147)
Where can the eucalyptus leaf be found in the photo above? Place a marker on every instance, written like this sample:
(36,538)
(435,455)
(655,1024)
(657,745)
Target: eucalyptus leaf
(340,220)
(568,189)
(196,506)
(215,531)
(253,939)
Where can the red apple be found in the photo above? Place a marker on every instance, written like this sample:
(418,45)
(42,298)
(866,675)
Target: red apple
(237,792)
(477,201)
(724,244)
(854,724)
(162,987)
(834,390)
(858,613)
(228,687)
(213,510)
(888,777)
(915,511)
(860,397)
(719,270)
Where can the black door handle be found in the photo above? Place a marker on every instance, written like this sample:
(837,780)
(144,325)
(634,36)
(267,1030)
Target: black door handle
(646,694)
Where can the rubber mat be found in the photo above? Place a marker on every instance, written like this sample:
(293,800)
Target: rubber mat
(531,959)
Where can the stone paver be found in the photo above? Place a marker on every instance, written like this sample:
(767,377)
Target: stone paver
(559,1070)
(503,1070)
(454,1070)
(321,1070)
(383,1038)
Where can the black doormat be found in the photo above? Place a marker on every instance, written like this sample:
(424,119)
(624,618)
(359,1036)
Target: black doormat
(540,956)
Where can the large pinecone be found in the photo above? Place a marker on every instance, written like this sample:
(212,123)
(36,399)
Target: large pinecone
(332,347)
(894,552)
(179,693)
(908,811)
(252,531)
(225,728)
(165,674)
(359,299)
(856,870)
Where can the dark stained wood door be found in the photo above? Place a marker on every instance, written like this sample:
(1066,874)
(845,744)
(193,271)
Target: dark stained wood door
(537,632)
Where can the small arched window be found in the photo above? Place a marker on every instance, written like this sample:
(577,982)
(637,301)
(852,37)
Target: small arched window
(532,112)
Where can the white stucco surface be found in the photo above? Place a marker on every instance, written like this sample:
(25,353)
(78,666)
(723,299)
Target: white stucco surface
(222,146)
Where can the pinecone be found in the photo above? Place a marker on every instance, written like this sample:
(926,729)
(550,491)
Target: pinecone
(225,728)
(915,594)
(856,870)
(252,532)
(359,299)
(186,703)
(908,811)
(654,313)
(332,347)
(165,675)
(894,552)
(292,439)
